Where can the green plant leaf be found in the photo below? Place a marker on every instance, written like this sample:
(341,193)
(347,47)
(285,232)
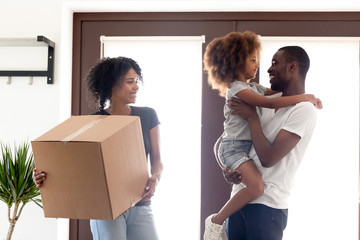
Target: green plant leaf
(16,168)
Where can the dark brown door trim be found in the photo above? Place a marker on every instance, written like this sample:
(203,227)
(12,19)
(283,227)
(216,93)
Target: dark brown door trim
(218,16)
(79,18)
(322,17)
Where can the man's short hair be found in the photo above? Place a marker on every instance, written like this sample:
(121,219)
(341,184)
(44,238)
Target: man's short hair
(298,54)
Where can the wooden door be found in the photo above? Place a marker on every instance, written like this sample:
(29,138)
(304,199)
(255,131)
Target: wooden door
(88,27)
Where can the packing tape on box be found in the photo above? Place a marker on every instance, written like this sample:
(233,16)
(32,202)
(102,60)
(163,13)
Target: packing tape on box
(83,129)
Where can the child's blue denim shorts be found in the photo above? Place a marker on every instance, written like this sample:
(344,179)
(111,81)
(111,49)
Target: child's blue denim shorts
(232,153)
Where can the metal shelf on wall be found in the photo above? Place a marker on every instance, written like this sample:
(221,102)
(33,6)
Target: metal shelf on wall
(40,41)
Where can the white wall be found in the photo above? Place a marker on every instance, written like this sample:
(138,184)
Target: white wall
(30,110)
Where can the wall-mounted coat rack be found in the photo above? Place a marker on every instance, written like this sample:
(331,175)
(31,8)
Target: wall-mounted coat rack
(39,41)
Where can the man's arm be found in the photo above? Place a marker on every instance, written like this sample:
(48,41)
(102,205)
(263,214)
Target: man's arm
(269,153)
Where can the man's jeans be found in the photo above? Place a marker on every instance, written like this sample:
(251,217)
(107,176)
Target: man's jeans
(257,222)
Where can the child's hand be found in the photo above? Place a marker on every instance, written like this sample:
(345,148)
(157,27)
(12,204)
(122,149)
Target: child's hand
(316,101)
(318,104)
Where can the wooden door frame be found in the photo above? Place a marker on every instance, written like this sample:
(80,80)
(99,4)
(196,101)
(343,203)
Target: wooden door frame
(333,23)
(79,18)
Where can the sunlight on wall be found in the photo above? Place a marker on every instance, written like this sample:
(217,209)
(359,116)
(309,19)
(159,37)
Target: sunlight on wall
(172,71)
(324,201)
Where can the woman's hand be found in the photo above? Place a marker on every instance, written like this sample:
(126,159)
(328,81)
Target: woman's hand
(232,176)
(151,186)
(38,178)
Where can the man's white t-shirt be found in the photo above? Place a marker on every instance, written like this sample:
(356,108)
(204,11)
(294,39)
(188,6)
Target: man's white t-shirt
(299,119)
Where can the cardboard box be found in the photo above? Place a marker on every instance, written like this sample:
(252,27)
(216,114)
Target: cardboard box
(95,167)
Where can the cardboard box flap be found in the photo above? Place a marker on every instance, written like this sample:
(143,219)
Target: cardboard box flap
(90,128)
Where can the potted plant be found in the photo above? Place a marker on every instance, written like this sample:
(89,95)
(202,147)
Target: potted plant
(16,185)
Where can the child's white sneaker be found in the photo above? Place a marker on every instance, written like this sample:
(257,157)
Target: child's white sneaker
(214,231)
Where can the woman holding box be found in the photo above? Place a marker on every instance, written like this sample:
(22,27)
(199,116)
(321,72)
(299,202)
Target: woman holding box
(116,80)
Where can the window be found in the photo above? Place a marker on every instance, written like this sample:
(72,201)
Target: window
(172,72)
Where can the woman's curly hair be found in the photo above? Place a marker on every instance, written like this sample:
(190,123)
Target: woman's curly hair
(106,73)
(226,56)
